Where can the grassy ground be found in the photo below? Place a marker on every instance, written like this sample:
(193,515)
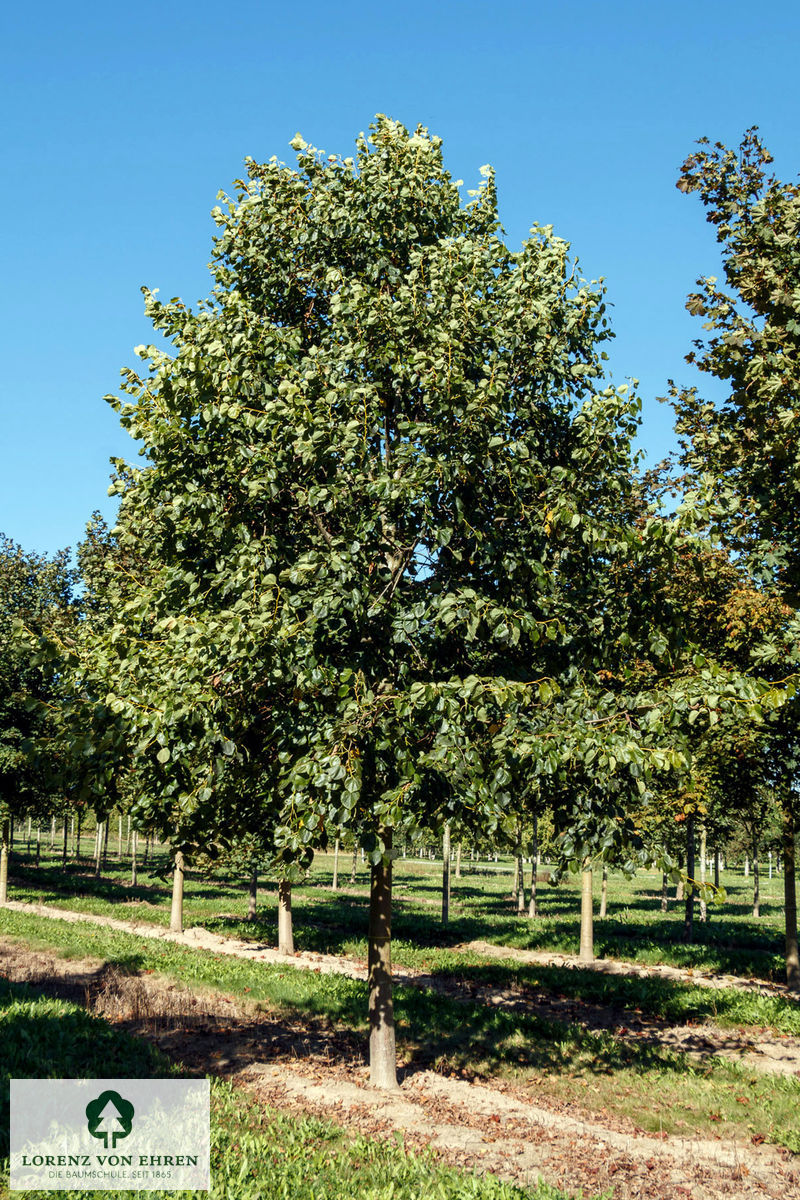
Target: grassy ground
(730,941)
(256,1152)
(659,1089)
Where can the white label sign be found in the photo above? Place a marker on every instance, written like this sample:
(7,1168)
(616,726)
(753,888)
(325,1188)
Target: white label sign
(110,1135)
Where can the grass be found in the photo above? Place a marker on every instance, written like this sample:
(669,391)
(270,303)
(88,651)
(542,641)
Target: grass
(659,1089)
(256,1152)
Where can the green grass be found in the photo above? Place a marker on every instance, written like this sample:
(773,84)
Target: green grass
(659,1089)
(256,1152)
(731,941)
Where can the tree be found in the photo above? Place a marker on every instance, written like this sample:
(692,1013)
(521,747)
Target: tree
(379,528)
(743,455)
(34,591)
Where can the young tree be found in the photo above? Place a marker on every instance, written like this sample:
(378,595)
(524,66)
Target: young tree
(743,455)
(380,524)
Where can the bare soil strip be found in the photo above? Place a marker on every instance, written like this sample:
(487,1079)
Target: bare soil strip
(311,1065)
(755,1049)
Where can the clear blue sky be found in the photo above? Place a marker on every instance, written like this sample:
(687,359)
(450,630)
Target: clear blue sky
(123,121)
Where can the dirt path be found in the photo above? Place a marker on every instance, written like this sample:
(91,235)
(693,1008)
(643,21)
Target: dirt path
(310,1065)
(755,1048)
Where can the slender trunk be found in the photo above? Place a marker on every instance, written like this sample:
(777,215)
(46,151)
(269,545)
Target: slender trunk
(119,839)
(688,917)
(65,844)
(604,892)
(355,864)
(587,915)
(716,869)
(134,847)
(679,887)
(790,897)
(446,874)
(146,858)
(128,837)
(335,880)
(105,842)
(664,900)
(52,835)
(756,888)
(458,861)
(98,848)
(252,894)
(78,836)
(515,884)
(746,867)
(703,846)
(285,935)
(770,863)
(382,1054)
(176,912)
(28,842)
(38,844)
(5,831)
(534,867)
(521,883)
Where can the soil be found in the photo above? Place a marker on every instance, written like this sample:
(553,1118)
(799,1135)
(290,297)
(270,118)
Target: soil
(313,1065)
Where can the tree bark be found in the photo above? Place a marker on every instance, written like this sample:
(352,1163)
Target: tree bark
(105,842)
(38,844)
(78,835)
(703,849)
(382,1053)
(252,895)
(532,911)
(586,953)
(285,934)
(790,897)
(688,916)
(176,913)
(664,899)
(335,880)
(520,883)
(134,848)
(4,851)
(756,881)
(119,839)
(98,847)
(446,874)
(52,834)
(458,861)
(604,892)
(355,864)
(716,869)
(65,843)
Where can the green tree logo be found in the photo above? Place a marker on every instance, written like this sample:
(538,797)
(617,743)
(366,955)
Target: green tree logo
(109,1116)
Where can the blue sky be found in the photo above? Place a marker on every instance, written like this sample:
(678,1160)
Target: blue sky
(122,122)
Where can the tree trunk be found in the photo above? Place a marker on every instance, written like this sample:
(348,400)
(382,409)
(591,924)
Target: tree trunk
(28,842)
(335,880)
(515,884)
(756,881)
(604,892)
(105,842)
(38,844)
(176,913)
(458,861)
(703,847)
(688,916)
(382,1054)
(664,900)
(790,897)
(716,869)
(98,846)
(746,867)
(252,895)
(532,912)
(65,843)
(285,935)
(52,835)
(78,836)
(134,848)
(355,864)
(146,858)
(446,874)
(4,851)
(119,839)
(587,915)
